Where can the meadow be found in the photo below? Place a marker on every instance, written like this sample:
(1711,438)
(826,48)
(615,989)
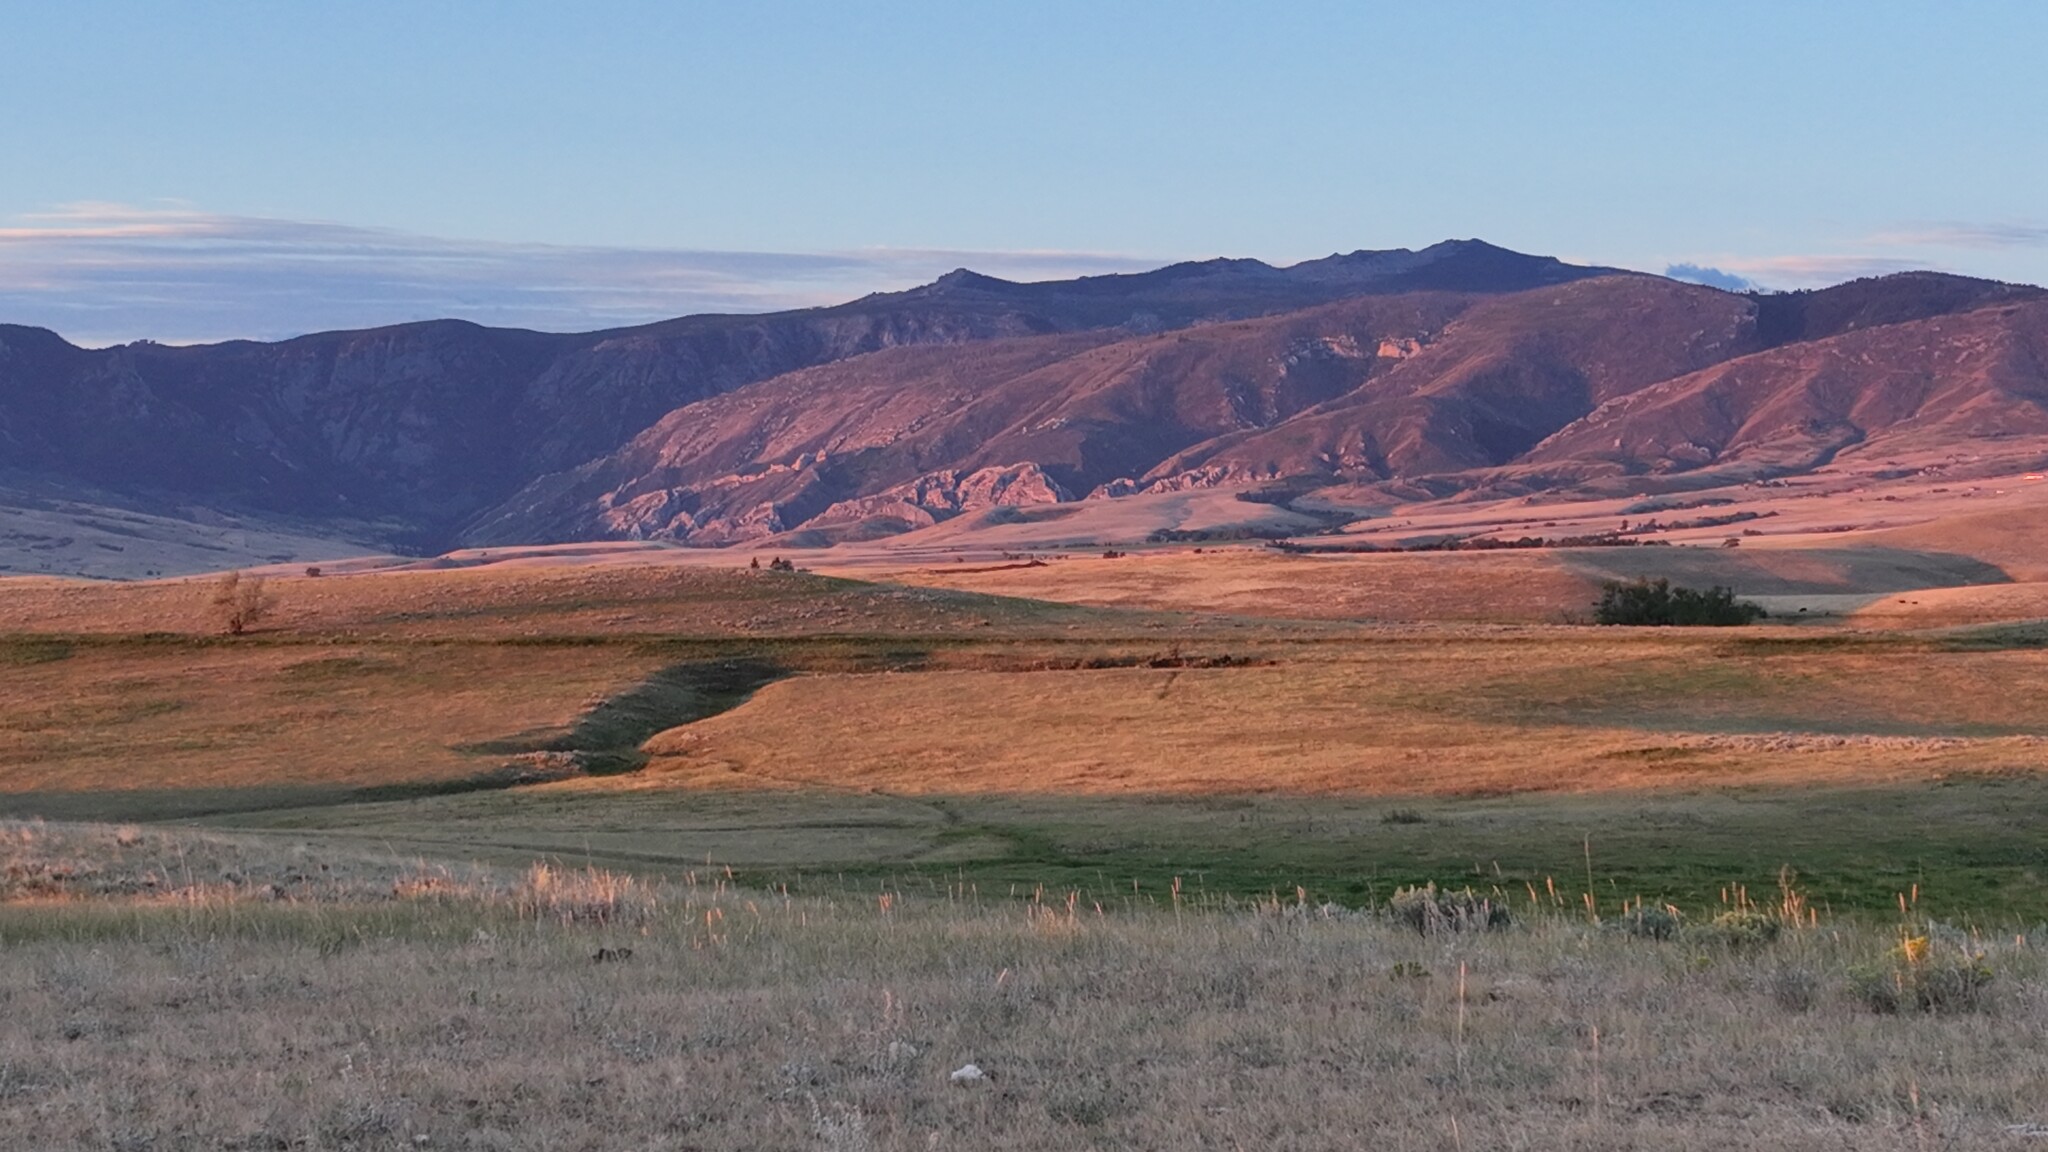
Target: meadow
(310,999)
(815,730)
(667,855)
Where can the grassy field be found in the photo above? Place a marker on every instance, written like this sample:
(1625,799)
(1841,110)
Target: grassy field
(1518,586)
(564,856)
(823,732)
(262,996)
(1972,850)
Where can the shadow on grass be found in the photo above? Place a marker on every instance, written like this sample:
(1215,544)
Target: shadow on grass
(1969,846)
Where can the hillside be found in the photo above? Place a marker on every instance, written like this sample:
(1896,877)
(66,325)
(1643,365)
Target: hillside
(1461,367)
(1926,392)
(1443,392)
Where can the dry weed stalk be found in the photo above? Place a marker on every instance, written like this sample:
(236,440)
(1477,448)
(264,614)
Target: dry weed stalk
(588,896)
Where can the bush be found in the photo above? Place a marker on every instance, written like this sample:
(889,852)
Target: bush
(1430,910)
(1739,928)
(1921,975)
(240,602)
(1654,603)
(1649,922)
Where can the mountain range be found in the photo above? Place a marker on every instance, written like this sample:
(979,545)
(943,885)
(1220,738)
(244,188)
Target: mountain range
(1458,367)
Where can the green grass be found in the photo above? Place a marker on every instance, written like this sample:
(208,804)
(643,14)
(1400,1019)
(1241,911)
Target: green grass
(1972,847)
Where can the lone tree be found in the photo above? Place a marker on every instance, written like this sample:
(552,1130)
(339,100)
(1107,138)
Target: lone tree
(1656,602)
(239,602)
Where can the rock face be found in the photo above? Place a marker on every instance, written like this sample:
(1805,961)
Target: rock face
(937,496)
(1456,366)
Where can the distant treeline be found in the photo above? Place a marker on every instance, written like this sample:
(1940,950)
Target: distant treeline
(1481,544)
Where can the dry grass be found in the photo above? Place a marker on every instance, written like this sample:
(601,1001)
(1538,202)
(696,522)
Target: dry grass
(1244,580)
(1517,587)
(729,1019)
(69,864)
(119,717)
(314,988)
(2014,536)
(1403,716)
(517,602)
(1955,607)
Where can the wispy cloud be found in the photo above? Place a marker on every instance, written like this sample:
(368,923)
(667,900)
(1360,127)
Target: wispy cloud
(105,273)
(1966,235)
(1785,272)
(1711,277)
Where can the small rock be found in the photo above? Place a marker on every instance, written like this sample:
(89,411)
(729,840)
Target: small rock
(968,1074)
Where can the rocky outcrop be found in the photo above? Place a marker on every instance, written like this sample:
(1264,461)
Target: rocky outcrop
(937,496)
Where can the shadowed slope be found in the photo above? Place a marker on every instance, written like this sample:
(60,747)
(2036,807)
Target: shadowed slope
(1972,384)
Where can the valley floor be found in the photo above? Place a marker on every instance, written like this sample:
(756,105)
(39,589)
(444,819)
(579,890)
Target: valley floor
(1133,835)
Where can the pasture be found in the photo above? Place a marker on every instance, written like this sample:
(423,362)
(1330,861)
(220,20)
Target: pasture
(825,732)
(576,852)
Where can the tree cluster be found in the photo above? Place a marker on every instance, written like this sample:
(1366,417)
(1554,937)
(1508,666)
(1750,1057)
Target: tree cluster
(1656,602)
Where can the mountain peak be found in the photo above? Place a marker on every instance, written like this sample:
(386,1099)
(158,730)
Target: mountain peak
(968,280)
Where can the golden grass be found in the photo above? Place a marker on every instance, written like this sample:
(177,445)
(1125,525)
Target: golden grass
(522,602)
(1956,607)
(1531,587)
(2014,537)
(178,716)
(1447,716)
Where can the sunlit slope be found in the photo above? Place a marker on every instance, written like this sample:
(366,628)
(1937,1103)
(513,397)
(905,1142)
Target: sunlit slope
(1394,716)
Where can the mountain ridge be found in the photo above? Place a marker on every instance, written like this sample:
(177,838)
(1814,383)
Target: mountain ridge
(1462,364)
(1457,390)
(427,424)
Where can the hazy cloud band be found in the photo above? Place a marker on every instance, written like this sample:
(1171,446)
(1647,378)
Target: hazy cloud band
(107,273)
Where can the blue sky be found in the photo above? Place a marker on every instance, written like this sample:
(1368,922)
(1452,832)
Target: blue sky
(204,170)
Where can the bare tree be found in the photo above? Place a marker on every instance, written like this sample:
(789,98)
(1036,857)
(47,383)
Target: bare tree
(239,602)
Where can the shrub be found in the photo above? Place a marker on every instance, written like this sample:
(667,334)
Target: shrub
(1649,922)
(1738,928)
(240,602)
(1430,910)
(1922,975)
(1655,603)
